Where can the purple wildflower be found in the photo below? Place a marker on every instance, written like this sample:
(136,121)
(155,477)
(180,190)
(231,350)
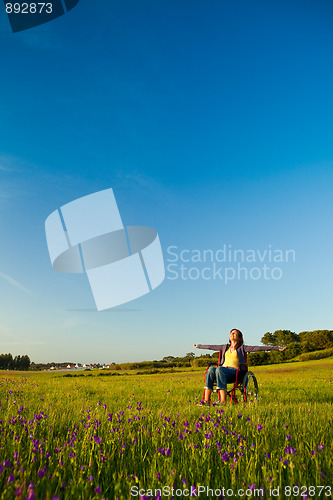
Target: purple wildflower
(290,450)
(41,472)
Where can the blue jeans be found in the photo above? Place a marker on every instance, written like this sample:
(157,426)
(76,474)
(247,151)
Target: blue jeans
(222,375)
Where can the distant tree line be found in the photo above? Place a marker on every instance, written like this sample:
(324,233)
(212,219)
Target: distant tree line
(7,362)
(63,364)
(166,362)
(303,341)
(297,344)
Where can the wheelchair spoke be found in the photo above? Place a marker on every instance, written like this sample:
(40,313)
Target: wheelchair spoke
(250,388)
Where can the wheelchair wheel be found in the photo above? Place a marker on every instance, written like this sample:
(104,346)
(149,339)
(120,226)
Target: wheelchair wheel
(250,388)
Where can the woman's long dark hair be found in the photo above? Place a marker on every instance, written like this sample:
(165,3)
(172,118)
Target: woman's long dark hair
(239,337)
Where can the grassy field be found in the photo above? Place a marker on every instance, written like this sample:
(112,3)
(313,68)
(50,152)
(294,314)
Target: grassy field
(142,436)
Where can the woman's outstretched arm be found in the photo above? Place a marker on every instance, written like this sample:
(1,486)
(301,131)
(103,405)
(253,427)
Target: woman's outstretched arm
(255,348)
(209,346)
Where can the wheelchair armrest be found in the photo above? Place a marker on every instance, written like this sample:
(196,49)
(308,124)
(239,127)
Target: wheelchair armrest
(211,363)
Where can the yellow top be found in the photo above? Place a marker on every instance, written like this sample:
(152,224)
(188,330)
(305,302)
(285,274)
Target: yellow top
(231,359)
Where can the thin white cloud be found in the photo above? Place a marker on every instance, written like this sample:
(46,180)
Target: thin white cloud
(16,165)
(14,340)
(12,164)
(15,283)
(24,343)
(138,179)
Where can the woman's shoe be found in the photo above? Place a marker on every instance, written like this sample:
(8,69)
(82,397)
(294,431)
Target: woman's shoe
(204,403)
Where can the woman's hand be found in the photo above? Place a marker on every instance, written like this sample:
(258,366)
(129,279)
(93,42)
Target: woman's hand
(195,345)
(283,349)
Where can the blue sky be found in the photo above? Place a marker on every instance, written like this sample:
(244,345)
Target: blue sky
(212,122)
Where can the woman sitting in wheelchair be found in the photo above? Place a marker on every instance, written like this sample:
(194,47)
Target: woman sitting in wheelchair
(232,357)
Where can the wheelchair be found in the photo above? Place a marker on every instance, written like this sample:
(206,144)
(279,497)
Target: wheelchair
(245,388)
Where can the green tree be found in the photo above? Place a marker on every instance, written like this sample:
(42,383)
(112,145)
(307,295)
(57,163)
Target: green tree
(25,362)
(17,362)
(280,337)
(6,362)
(293,350)
(285,337)
(316,340)
(258,358)
(269,339)
(276,357)
(168,359)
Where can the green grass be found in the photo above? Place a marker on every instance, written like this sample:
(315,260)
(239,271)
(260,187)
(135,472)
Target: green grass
(57,434)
